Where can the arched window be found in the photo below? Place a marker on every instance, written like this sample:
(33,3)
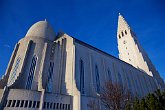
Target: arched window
(122,33)
(49,81)
(125,32)
(119,36)
(14,72)
(82,76)
(31,72)
(97,79)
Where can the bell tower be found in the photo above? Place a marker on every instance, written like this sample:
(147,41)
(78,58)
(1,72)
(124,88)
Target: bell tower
(132,52)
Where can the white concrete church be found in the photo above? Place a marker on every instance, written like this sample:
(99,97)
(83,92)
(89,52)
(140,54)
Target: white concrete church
(49,71)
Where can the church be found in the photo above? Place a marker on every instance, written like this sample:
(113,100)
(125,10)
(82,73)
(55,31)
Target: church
(55,71)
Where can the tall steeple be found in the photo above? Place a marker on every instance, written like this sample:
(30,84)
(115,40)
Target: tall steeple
(132,52)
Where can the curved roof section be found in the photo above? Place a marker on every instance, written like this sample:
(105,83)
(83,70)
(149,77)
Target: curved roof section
(41,29)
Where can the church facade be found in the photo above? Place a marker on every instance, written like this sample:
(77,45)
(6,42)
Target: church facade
(49,71)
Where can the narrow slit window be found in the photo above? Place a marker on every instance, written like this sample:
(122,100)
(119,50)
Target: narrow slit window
(44,106)
(82,76)
(30,104)
(13,104)
(22,103)
(97,79)
(122,33)
(54,106)
(38,104)
(18,102)
(68,106)
(50,106)
(26,103)
(119,36)
(57,106)
(34,104)
(125,32)
(47,105)
(119,79)
(109,75)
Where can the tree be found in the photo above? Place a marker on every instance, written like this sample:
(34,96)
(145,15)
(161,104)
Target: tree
(161,98)
(136,104)
(143,104)
(92,105)
(154,101)
(115,96)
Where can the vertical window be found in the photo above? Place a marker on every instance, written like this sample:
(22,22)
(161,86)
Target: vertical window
(129,84)
(14,72)
(119,36)
(31,72)
(26,104)
(82,76)
(18,102)
(68,106)
(44,106)
(30,104)
(125,32)
(9,103)
(38,104)
(22,103)
(54,106)
(57,106)
(109,75)
(97,79)
(122,33)
(34,104)
(47,105)
(51,105)
(49,81)
(63,106)
(60,106)
(119,79)
(13,104)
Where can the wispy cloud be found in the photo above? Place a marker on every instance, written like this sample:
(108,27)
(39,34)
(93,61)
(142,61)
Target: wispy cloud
(6,45)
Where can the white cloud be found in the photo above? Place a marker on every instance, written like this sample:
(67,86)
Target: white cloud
(6,45)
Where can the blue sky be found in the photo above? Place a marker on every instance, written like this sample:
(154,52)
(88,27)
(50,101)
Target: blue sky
(92,21)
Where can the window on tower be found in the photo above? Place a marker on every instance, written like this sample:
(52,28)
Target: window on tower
(31,72)
(122,33)
(125,32)
(119,36)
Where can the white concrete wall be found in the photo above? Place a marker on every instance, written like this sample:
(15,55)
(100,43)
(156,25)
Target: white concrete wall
(92,56)
(20,94)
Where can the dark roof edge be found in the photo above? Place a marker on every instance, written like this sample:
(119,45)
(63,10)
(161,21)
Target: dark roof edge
(60,34)
(100,50)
